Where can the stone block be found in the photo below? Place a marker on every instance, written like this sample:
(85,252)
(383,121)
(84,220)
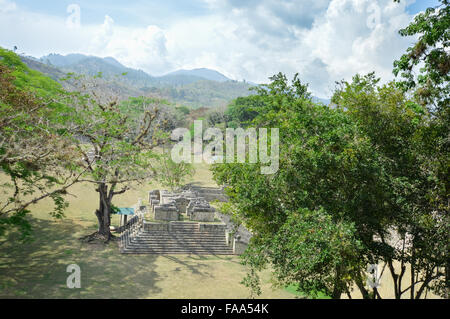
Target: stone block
(202,216)
(219,228)
(163,212)
(150,226)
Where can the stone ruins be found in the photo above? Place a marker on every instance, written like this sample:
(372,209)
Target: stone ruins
(166,206)
(182,222)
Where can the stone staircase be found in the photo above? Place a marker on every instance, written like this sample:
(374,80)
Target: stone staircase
(175,238)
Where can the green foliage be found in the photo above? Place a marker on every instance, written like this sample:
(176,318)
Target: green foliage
(27,79)
(204,126)
(353,178)
(166,120)
(308,245)
(399,129)
(431,49)
(430,86)
(216,117)
(322,159)
(35,153)
(244,109)
(117,141)
(203,93)
(171,174)
(183,110)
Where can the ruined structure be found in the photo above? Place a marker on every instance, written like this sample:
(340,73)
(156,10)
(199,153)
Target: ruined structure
(181,222)
(187,204)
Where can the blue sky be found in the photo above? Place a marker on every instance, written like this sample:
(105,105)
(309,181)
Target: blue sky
(323,40)
(142,13)
(127,13)
(421,5)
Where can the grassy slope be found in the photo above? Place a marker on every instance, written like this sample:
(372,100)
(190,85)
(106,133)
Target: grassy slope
(38,269)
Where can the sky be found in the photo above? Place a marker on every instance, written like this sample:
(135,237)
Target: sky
(322,40)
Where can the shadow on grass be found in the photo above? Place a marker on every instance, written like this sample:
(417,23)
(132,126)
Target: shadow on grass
(37,269)
(195,268)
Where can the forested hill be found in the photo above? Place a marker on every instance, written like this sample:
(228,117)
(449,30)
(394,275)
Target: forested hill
(197,88)
(194,88)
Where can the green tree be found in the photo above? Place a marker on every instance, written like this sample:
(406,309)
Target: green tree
(115,147)
(326,172)
(216,117)
(431,84)
(415,233)
(36,155)
(244,109)
(171,174)
(354,171)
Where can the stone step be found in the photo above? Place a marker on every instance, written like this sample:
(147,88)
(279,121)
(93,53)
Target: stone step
(144,250)
(178,236)
(141,245)
(177,240)
(219,231)
(150,240)
(181,235)
(184,234)
(183,238)
(151,252)
(178,247)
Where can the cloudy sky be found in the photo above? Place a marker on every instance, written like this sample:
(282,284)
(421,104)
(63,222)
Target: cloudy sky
(323,40)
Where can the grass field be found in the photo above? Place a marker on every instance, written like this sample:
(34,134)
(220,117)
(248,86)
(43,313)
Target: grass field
(37,269)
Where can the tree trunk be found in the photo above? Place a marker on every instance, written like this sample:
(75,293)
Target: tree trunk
(337,289)
(413,274)
(362,289)
(104,212)
(336,294)
(447,279)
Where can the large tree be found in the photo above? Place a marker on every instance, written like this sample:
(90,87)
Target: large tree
(36,155)
(303,217)
(424,70)
(425,66)
(416,236)
(351,190)
(115,145)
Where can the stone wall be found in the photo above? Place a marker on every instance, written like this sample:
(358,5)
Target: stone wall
(168,206)
(193,202)
(212,227)
(149,226)
(165,213)
(208,193)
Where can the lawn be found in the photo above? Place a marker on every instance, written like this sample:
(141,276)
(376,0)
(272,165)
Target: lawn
(37,269)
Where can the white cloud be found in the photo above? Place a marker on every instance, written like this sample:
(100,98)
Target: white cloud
(103,35)
(347,44)
(7,6)
(324,40)
(143,48)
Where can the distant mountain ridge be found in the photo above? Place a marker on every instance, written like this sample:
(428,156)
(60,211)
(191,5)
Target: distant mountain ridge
(196,88)
(110,67)
(207,74)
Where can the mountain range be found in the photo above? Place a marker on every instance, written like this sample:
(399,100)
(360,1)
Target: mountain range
(111,68)
(194,88)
